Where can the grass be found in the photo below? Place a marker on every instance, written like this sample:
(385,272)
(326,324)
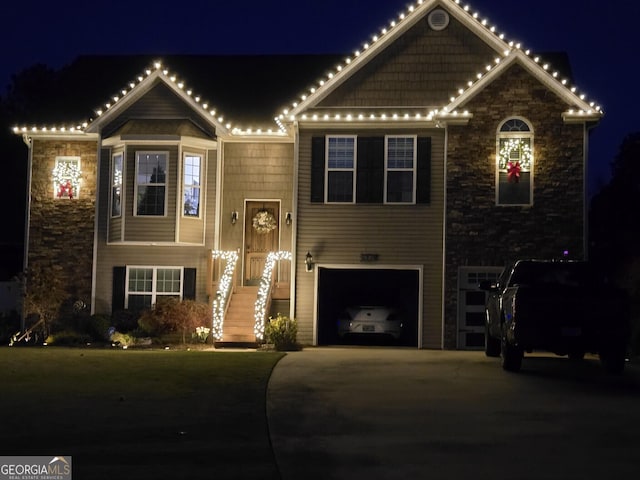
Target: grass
(139,414)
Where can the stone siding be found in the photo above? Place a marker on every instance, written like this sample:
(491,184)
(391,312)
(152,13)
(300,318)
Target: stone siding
(61,230)
(480,233)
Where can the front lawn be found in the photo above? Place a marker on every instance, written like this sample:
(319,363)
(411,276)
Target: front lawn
(139,414)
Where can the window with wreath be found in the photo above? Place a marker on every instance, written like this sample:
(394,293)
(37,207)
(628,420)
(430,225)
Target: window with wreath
(66,177)
(151,186)
(514,182)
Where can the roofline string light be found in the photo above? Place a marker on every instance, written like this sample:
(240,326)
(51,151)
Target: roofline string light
(157,66)
(509,47)
(286,116)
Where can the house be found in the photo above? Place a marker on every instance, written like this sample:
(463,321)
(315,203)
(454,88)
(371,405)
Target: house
(404,174)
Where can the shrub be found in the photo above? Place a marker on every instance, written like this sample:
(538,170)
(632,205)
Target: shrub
(172,315)
(282,332)
(98,327)
(125,320)
(68,338)
(123,339)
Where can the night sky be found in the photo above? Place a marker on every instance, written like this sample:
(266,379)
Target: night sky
(601,39)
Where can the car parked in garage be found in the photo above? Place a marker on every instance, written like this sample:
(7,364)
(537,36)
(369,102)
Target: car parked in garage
(370,321)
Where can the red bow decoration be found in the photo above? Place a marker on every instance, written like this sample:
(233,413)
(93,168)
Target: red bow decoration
(65,189)
(513,172)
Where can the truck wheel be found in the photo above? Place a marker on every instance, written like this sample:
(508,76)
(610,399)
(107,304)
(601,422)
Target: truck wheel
(576,355)
(613,359)
(491,345)
(511,356)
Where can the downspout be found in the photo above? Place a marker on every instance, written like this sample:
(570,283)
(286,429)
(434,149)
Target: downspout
(585,188)
(218,212)
(96,223)
(27,219)
(294,223)
(444,237)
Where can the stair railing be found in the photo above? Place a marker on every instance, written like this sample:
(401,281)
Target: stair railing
(265,288)
(225,289)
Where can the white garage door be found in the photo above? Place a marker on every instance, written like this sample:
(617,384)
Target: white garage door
(471,301)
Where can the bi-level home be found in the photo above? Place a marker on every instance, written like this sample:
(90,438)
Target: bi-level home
(403,174)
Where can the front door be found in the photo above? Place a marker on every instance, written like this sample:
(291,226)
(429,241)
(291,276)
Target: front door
(261,237)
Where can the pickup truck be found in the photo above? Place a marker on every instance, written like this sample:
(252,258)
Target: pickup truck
(561,307)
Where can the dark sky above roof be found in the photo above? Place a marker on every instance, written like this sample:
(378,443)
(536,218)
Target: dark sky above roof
(248,89)
(601,39)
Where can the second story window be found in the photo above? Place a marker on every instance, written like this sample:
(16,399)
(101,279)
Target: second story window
(192,180)
(392,169)
(66,177)
(400,161)
(116,185)
(151,183)
(341,167)
(514,179)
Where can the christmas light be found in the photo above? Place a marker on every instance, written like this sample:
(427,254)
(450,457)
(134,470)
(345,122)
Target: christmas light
(264,291)
(66,178)
(224,287)
(521,148)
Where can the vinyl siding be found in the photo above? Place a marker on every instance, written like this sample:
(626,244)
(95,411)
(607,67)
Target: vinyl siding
(191,229)
(422,68)
(160,102)
(255,171)
(114,255)
(408,235)
(150,228)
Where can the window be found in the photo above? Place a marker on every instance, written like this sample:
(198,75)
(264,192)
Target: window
(66,177)
(341,166)
(514,179)
(371,170)
(148,285)
(192,170)
(151,177)
(116,185)
(400,161)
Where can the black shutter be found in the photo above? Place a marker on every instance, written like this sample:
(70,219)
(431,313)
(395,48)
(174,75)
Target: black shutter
(370,174)
(317,169)
(423,194)
(189,285)
(117,295)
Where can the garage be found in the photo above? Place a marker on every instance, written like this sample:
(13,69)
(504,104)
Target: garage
(340,288)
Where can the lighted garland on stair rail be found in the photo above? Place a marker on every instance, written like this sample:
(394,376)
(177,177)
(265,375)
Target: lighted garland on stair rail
(219,303)
(263,290)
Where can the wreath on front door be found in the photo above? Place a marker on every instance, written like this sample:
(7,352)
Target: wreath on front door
(264,222)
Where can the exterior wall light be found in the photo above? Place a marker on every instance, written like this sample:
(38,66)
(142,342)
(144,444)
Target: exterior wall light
(234,217)
(288,218)
(308,262)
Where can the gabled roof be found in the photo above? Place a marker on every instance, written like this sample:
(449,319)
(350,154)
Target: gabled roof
(252,89)
(579,108)
(245,90)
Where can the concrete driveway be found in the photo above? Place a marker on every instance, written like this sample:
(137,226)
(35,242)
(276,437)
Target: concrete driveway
(383,413)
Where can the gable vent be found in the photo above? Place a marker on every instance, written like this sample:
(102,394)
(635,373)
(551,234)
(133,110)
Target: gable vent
(438,19)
